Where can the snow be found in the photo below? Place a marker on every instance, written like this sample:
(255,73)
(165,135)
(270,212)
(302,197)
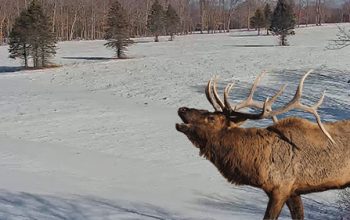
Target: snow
(96,138)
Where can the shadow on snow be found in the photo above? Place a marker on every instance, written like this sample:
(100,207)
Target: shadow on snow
(10,69)
(255,205)
(90,58)
(252,45)
(14,206)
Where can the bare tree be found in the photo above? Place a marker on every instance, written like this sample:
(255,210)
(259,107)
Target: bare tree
(318,12)
(343,39)
(233,5)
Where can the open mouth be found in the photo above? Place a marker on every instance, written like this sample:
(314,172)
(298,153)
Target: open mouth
(185,125)
(182,127)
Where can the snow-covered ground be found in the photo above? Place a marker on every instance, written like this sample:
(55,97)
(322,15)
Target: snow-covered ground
(96,138)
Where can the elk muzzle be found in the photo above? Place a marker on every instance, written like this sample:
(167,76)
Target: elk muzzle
(183,113)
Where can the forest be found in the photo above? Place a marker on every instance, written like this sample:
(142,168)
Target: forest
(86,19)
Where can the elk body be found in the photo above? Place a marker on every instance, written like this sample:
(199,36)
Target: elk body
(292,157)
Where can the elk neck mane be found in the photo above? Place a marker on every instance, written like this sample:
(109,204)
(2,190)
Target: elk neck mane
(238,153)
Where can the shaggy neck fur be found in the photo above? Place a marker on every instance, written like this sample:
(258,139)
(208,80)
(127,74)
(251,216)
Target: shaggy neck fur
(238,154)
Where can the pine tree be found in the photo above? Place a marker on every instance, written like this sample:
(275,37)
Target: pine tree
(172,21)
(267,16)
(19,46)
(282,21)
(31,36)
(117,32)
(258,20)
(41,39)
(155,21)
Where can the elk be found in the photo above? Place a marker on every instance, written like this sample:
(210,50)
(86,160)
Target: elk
(290,158)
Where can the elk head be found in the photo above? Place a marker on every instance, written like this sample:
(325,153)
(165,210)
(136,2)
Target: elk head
(200,125)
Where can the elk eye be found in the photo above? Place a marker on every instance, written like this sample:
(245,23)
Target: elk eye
(211,118)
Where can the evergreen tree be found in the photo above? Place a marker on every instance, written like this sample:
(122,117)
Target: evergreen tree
(41,39)
(117,32)
(258,20)
(155,21)
(267,16)
(172,21)
(32,36)
(282,21)
(19,46)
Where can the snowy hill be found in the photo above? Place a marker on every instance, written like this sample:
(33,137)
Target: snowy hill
(96,138)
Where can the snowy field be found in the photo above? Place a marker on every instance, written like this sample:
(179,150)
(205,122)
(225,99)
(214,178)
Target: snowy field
(96,139)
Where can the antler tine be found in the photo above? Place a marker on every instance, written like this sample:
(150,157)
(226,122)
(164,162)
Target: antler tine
(226,95)
(249,101)
(216,95)
(299,91)
(208,93)
(272,100)
(319,103)
(313,110)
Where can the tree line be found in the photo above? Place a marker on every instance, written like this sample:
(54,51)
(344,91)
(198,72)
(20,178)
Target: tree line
(86,19)
(32,36)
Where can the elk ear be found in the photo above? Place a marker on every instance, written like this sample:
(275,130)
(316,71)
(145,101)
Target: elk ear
(238,121)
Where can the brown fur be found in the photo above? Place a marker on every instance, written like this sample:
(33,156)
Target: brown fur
(287,159)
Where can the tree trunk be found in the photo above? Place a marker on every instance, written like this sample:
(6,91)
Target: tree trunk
(201,11)
(25,56)
(1,31)
(119,53)
(283,40)
(299,12)
(318,13)
(307,12)
(36,56)
(248,16)
(72,27)
(54,17)
(43,61)
(156,39)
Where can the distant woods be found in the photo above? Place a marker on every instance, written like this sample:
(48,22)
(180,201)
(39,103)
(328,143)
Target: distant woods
(86,19)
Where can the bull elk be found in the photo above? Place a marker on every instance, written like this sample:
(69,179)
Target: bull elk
(290,158)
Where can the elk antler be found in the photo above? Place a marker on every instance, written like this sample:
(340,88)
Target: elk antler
(208,93)
(225,106)
(296,104)
(266,107)
(249,102)
(267,111)
(215,101)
